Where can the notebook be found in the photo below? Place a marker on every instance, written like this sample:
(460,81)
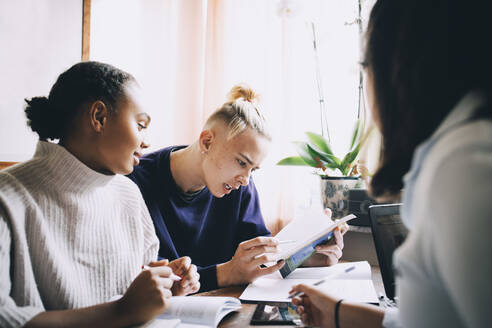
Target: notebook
(388,232)
(355,285)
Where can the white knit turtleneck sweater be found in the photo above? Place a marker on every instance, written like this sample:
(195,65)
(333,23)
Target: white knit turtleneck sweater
(69,237)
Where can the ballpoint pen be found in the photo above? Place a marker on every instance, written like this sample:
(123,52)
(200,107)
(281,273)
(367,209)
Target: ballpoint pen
(172,276)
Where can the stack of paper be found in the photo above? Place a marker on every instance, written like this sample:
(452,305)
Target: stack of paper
(355,285)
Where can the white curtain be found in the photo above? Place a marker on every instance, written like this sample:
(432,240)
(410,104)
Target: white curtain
(187,54)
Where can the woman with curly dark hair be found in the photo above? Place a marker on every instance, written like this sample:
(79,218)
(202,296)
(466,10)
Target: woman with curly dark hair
(74,232)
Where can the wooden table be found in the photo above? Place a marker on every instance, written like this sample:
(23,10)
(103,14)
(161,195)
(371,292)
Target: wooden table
(243,317)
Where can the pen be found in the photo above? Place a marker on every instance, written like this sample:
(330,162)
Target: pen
(325,279)
(172,276)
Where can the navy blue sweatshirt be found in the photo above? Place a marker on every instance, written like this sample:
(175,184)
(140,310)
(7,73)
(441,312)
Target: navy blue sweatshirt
(205,228)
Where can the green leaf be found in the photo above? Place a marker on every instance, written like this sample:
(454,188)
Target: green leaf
(293,160)
(349,158)
(336,159)
(355,133)
(315,151)
(316,154)
(302,150)
(353,154)
(320,142)
(334,162)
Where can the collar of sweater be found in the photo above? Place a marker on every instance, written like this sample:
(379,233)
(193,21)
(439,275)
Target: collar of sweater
(64,170)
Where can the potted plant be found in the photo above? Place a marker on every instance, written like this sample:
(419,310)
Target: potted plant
(338,175)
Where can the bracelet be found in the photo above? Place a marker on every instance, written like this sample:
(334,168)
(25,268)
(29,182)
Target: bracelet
(337,306)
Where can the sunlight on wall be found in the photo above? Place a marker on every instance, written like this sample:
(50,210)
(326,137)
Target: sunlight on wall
(40,39)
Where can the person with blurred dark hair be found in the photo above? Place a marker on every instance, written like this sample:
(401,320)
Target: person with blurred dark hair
(74,232)
(429,87)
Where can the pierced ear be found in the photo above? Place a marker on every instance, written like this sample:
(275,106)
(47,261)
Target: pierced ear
(205,140)
(98,114)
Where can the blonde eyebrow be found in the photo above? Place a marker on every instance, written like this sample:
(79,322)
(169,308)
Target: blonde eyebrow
(246,158)
(249,161)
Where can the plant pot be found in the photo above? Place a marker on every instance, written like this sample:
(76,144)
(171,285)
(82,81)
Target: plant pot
(335,192)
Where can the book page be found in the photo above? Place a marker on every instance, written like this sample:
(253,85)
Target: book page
(202,310)
(305,230)
(161,323)
(301,228)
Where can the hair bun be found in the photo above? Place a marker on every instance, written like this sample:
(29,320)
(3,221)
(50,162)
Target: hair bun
(242,91)
(41,118)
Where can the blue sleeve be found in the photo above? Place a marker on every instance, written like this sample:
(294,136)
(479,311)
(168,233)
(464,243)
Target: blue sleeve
(250,225)
(144,176)
(208,277)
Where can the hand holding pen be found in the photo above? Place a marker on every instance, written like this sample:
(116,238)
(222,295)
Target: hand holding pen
(148,295)
(184,274)
(172,276)
(311,302)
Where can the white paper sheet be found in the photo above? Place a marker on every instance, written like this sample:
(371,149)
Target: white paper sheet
(355,285)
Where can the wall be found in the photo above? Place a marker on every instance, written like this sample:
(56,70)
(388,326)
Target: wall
(39,40)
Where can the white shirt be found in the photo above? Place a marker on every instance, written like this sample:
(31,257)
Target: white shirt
(70,237)
(444,268)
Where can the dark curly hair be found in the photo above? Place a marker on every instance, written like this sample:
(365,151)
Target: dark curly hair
(424,56)
(50,117)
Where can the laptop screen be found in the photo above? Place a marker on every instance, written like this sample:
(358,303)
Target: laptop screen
(389,233)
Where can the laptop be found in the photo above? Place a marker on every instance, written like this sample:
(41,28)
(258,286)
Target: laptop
(389,233)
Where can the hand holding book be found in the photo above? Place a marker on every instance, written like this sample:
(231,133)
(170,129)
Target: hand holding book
(311,230)
(331,251)
(247,263)
(328,253)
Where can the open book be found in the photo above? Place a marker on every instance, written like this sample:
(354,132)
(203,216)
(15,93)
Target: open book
(355,285)
(193,311)
(307,232)
(200,311)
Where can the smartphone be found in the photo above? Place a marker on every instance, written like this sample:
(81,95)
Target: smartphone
(280,314)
